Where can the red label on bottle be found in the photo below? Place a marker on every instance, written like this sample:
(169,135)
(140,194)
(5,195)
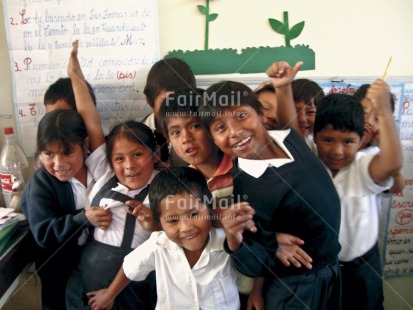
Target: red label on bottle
(7,181)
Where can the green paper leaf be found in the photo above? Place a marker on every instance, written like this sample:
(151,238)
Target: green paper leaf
(202,9)
(296,30)
(277,26)
(212,17)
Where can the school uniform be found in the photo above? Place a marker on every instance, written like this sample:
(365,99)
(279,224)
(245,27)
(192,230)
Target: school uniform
(292,195)
(221,185)
(359,256)
(104,252)
(209,285)
(55,214)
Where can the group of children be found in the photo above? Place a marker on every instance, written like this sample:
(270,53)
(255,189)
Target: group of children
(252,219)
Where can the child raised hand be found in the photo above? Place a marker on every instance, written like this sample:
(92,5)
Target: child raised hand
(84,102)
(281,76)
(389,160)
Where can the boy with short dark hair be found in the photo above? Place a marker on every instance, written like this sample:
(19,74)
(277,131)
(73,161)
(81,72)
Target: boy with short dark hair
(179,116)
(192,269)
(165,77)
(289,189)
(358,178)
(60,95)
(307,94)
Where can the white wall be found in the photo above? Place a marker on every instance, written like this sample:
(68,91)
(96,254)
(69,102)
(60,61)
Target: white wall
(350,39)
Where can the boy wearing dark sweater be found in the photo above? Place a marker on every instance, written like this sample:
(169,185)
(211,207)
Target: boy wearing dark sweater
(289,189)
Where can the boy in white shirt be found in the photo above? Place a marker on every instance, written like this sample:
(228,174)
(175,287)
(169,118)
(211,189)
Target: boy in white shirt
(192,269)
(358,178)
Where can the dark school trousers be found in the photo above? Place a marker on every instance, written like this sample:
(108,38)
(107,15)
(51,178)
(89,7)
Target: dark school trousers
(315,289)
(101,262)
(362,283)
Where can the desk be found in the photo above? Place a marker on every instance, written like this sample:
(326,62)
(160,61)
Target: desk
(15,261)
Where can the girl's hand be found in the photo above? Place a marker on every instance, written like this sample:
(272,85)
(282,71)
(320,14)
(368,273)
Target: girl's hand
(99,217)
(143,214)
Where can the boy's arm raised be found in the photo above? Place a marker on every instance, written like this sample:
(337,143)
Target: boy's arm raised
(84,103)
(389,161)
(281,76)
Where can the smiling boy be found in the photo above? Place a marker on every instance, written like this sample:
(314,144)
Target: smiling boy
(289,190)
(358,178)
(192,269)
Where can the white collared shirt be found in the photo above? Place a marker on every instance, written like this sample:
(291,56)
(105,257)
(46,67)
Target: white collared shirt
(359,225)
(209,285)
(113,235)
(96,168)
(257,167)
(150,121)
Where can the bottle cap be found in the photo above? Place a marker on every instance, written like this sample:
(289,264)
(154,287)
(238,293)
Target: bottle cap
(8,130)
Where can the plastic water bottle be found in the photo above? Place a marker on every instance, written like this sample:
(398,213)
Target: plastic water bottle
(13,160)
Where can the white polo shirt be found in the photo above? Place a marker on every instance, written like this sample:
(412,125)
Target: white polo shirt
(209,285)
(359,225)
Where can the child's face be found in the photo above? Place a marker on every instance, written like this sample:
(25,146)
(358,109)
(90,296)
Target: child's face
(306,117)
(190,140)
(186,221)
(336,148)
(59,104)
(239,131)
(268,101)
(132,163)
(60,165)
(371,125)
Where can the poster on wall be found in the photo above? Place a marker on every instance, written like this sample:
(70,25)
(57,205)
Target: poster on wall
(118,43)
(398,254)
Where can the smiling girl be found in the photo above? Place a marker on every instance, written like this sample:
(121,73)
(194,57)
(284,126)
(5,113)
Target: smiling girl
(55,196)
(131,153)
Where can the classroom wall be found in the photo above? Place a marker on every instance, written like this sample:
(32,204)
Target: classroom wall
(350,39)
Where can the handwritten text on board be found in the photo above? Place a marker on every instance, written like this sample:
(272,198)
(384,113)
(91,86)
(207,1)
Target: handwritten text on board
(118,43)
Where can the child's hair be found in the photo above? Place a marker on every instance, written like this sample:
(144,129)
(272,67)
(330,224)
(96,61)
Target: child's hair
(342,112)
(264,87)
(62,89)
(65,127)
(178,180)
(180,103)
(308,91)
(133,131)
(168,75)
(361,92)
(222,95)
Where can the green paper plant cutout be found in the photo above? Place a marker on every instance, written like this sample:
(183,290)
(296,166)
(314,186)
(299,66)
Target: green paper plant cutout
(209,17)
(251,59)
(284,28)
